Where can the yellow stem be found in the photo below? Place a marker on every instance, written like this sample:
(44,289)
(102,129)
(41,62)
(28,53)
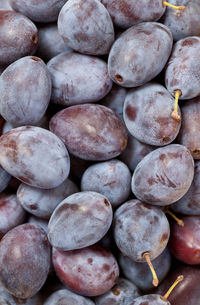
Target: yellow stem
(178,280)
(179,221)
(155,281)
(180,8)
(175,114)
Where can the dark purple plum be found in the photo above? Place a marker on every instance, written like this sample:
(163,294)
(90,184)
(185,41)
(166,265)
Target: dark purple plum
(139,54)
(39,10)
(42,202)
(90,132)
(91,271)
(11,213)
(110,178)
(86,26)
(25,91)
(24,260)
(164,175)
(80,220)
(4,179)
(124,292)
(35,156)
(70,86)
(12,25)
(147,114)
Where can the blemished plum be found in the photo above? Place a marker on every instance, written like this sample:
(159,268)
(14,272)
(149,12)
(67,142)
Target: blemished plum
(35,156)
(90,271)
(24,96)
(24,260)
(86,27)
(70,86)
(42,202)
(50,42)
(135,151)
(80,220)
(139,228)
(189,204)
(91,132)
(12,25)
(190,125)
(139,54)
(126,13)
(110,178)
(147,114)
(164,175)
(124,292)
(183,68)
(39,11)
(184,241)
(183,23)
(140,274)
(4,179)
(11,213)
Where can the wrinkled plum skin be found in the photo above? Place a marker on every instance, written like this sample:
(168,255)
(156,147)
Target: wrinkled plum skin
(66,297)
(39,11)
(42,202)
(150,299)
(126,13)
(50,42)
(4,179)
(156,179)
(127,62)
(135,151)
(70,86)
(183,68)
(25,149)
(12,25)
(140,274)
(184,241)
(147,115)
(111,178)
(183,23)
(24,260)
(11,213)
(189,204)
(90,132)
(135,221)
(189,132)
(122,293)
(86,27)
(24,96)
(90,271)
(79,221)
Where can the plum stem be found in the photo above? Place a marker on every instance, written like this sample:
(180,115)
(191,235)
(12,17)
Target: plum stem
(180,8)
(178,280)
(146,256)
(175,114)
(179,221)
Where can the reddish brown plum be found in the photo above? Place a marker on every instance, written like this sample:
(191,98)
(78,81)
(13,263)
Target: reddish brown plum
(24,260)
(12,25)
(183,23)
(90,271)
(189,132)
(139,54)
(147,114)
(150,299)
(80,220)
(86,26)
(185,241)
(42,202)
(90,132)
(4,179)
(35,156)
(183,68)
(70,86)
(124,292)
(139,228)
(189,204)
(67,297)
(25,91)
(11,213)
(39,11)
(164,175)
(126,13)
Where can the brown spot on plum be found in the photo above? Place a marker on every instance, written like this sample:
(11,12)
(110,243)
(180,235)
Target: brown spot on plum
(162,157)
(189,42)
(164,238)
(174,82)
(165,139)
(116,291)
(106,267)
(131,112)
(80,36)
(151,181)
(106,202)
(35,38)
(33,206)
(119,78)
(90,260)
(196,153)
(35,58)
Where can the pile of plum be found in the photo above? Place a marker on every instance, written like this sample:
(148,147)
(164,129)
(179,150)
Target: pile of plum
(99,161)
